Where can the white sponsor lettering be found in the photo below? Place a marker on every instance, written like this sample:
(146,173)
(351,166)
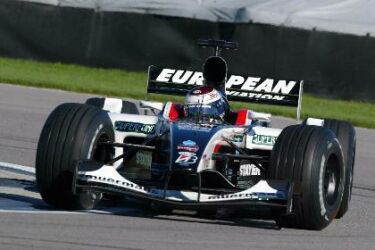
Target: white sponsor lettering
(186,158)
(234,80)
(268,85)
(250,83)
(255,95)
(196,79)
(265,86)
(264,139)
(181,76)
(255,195)
(267,96)
(165,75)
(278,97)
(232,93)
(249,170)
(284,88)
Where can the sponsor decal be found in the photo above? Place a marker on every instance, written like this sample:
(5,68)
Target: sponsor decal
(135,127)
(237,138)
(256,95)
(249,170)
(255,195)
(189,143)
(199,106)
(143,158)
(205,90)
(263,88)
(261,85)
(186,158)
(197,127)
(121,184)
(126,185)
(264,140)
(190,146)
(180,77)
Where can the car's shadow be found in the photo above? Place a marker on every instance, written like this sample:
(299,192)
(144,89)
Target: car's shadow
(26,199)
(221,217)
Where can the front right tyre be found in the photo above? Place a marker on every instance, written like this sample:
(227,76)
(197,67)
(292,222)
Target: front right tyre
(346,135)
(311,158)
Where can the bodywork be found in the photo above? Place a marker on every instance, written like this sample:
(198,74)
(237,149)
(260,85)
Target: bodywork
(187,176)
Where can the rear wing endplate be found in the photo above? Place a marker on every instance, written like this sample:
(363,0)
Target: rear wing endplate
(237,88)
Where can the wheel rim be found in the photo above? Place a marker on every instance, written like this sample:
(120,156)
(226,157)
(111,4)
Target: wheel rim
(102,153)
(332,177)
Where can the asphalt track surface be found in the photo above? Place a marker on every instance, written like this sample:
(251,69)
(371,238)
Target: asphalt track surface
(26,222)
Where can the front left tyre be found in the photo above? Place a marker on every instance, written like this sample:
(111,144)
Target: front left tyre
(72,132)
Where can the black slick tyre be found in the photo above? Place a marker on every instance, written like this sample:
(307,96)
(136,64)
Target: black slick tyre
(127,107)
(311,158)
(96,102)
(346,135)
(71,133)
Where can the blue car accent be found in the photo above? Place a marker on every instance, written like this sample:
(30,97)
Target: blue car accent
(188,143)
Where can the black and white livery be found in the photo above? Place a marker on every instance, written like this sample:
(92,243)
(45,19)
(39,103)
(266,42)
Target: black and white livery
(200,154)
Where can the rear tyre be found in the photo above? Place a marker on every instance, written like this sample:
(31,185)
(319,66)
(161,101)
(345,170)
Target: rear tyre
(71,133)
(345,133)
(311,158)
(127,107)
(96,102)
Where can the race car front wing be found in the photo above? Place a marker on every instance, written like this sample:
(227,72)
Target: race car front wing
(274,194)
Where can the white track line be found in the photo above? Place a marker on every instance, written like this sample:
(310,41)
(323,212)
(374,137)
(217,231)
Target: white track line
(28,210)
(17,168)
(11,206)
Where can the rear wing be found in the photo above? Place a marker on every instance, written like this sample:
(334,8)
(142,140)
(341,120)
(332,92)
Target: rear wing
(237,87)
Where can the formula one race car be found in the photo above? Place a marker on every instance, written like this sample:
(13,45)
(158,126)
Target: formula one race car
(199,155)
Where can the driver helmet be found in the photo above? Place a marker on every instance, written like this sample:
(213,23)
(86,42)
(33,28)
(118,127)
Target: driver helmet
(205,102)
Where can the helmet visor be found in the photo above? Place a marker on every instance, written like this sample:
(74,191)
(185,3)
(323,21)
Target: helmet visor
(215,110)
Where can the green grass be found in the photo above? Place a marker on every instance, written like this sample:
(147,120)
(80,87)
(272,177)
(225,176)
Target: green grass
(114,82)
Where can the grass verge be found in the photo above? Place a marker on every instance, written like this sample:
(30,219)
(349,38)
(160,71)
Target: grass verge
(121,83)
